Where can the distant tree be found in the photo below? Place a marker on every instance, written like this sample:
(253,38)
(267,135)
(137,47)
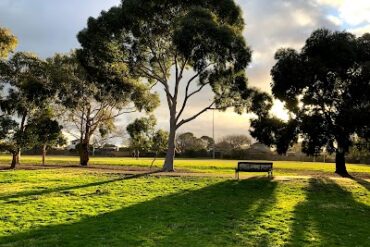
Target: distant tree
(360,151)
(8,143)
(208,142)
(187,141)
(144,137)
(159,143)
(8,42)
(237,141)
(47,131)
(90,108)
(103,137)
(28,90)
(232,143)
(326,89)
(158,41)
(141,132)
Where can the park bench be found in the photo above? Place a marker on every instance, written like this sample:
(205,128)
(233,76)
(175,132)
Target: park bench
(245,166)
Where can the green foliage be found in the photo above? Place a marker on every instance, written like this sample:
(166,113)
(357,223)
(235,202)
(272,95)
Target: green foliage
(159,141)
(157,42)
(325,88)
(188,142)
(48,132)
(28,90)
(29,84)
(8,129)
(8,42)
(91,108)
(144,137)
(236,141)
(207,36)
(208,141)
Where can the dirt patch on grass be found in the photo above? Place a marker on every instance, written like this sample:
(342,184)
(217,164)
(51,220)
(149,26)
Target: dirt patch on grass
(317,173)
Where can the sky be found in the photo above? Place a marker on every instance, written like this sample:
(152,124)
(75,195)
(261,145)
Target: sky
(46,27)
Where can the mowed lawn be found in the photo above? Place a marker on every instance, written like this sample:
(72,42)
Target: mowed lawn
(76,207)
(285,168)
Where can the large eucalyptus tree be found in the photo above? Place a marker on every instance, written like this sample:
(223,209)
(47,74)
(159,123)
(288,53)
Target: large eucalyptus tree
(159,41)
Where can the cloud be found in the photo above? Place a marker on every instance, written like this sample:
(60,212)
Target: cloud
(271,25)
(350,12)
(46,27)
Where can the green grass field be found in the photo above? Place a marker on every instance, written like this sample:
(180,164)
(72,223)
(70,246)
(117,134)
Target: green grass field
(285,168)
(86,207)
(69,207)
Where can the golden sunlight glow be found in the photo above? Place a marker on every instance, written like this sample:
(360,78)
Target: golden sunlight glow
(279,111)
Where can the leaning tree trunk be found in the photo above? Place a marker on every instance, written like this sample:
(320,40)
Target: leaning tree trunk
(43,154)
(170,155)
(155,158)
(340,163)
(15,160)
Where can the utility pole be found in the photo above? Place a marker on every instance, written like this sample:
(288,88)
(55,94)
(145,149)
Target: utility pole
(213,136)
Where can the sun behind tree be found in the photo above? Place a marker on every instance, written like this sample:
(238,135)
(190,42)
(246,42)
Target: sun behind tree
(325,88)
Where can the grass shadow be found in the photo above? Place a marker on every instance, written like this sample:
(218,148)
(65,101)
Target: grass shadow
(66,188)
(363,182)
(330,216)
(210,216)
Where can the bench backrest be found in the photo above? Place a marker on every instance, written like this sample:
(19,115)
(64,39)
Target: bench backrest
(254,166)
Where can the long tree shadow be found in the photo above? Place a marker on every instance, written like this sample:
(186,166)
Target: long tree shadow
(66,188)
(362,182)
(212,216)
(330,216)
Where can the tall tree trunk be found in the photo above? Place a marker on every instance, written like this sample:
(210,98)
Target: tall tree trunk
(168,165)
(85,141)
(43,154)
(15,160)
(84,154)
(340,163)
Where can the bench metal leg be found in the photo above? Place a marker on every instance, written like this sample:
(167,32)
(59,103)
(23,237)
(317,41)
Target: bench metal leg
(237,175)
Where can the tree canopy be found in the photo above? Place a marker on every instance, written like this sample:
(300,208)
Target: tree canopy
(28,89)
(46,129)
(143,136)
(325,87)
(8,42)
(89,107)
(157,41)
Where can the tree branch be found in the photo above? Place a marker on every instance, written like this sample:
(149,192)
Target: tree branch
(187,96)
(184,121)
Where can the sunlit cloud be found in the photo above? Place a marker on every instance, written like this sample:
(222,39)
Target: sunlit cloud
(350,12)
(46,27)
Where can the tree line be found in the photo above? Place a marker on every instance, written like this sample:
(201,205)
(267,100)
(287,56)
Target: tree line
(131,48)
